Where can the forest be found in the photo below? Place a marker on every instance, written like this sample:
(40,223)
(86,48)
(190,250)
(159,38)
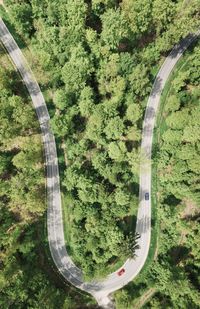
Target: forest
(25,280)
(173,278)
(96,62)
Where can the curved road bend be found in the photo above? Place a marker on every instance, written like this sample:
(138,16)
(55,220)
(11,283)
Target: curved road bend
(100,289)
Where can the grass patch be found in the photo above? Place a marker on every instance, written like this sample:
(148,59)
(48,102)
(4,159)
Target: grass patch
(4,58)
(66,219)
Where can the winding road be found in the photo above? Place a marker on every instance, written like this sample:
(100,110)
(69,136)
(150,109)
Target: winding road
(100,289)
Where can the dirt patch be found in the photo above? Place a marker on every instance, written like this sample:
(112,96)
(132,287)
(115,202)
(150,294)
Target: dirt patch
(191,209)
(145,298)
(156,251)
(190,87)
(146,39)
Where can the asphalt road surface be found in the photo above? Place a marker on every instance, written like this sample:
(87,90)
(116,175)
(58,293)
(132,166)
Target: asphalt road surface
(100,289)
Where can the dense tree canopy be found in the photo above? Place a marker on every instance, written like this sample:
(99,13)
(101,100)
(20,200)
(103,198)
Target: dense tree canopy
(23,277)
(173,276)
(100,56)
(100,59)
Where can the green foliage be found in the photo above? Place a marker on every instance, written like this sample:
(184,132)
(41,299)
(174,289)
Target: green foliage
(115,128)
(179,171)
(139,81)
(61,99)
(101,58)
(173,276)
(122,299)
(114,28)
(76,70)
(181,168)
(86,102)
(130,245)
(24,281)
(163,13)
(138,14)
(117,151)
(133,112)
(21,14)
(121,197)
(173,103)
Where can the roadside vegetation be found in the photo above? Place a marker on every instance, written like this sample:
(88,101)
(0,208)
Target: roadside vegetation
(99,60)
(25,277)
(173,277)
(100,65)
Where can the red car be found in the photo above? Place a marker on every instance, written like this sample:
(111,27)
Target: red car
(121,272)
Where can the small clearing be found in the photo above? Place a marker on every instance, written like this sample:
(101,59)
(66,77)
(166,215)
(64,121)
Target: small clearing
(144,298)
(191,209)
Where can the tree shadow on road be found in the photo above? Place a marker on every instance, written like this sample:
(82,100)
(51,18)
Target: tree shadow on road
(21,43)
